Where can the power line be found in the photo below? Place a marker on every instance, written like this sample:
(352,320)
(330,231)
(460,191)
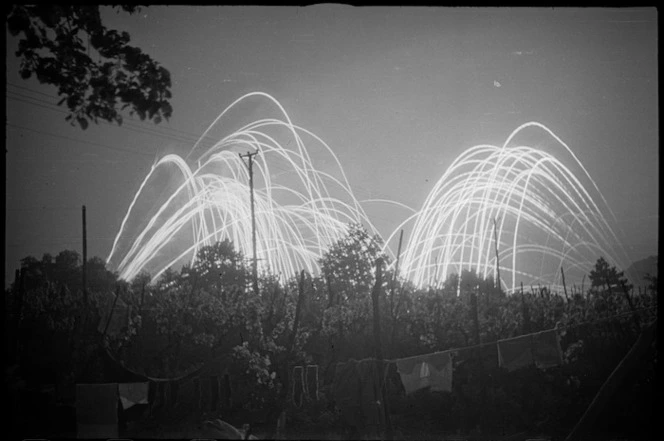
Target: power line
(41,132)
(127,126)
(128,122)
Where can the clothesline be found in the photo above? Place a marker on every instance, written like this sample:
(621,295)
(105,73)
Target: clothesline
(557,328)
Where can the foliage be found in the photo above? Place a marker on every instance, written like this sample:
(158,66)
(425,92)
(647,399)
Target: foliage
(349,264)
(96,71)
(206,311)
(605,276)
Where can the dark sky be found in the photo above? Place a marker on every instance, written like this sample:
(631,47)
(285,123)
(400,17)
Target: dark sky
(398,93)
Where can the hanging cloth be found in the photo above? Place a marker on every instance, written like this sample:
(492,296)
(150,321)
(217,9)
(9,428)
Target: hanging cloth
(298,390)
(133,393)
(546,349)
(97,410)
(312,382)
(431,370)
(516,353)
(347,389)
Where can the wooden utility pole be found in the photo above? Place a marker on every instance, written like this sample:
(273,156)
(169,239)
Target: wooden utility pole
(495,238)
(254,266)
(85,258)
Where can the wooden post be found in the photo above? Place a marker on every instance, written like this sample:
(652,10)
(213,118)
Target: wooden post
(631,305)
(476,318)
(524,311)
(85,259)
(298,307)
(110,314)
(564,286)
(495,236)
(380,364)
(375,295)
(19,287)
(396,274)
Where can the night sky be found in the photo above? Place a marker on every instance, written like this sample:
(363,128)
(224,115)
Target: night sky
(397,93)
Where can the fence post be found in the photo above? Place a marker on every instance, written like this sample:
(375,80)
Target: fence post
(380,365)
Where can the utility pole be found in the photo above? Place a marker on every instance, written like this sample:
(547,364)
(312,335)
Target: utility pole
(85,258)
(254,268)
(495,238)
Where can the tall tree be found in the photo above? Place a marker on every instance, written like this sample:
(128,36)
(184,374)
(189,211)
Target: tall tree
(605,275)
(349,263)
(96,71)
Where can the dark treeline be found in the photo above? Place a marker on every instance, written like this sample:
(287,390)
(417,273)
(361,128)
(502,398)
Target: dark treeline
(209,311)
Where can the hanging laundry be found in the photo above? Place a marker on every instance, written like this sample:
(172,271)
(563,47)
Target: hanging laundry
(369,372)
(346,388)
(206,394)
(172,392)
(157,394)
(312,382)
(97,410)
(187,396)
(298,390)
(214,392)
(546,349)
(227,392)
(516,353)
(133,393)
(431,370)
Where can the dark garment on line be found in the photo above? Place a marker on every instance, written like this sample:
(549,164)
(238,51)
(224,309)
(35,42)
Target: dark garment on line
(546,349)
(516,353)
(97,410)
(346,386)
(187,394)
(357,394)
(206,394)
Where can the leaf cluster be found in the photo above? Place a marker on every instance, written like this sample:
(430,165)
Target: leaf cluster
(97,72)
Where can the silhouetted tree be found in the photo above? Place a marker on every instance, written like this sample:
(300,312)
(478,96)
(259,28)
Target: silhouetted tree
(607,276)
(96,71)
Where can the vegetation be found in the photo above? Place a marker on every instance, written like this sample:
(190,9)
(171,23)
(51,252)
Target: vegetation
(208,311)
(96,71)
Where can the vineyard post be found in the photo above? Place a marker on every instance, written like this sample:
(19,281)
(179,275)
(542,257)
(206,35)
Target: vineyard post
(564,286)
(476,318)
(380,364)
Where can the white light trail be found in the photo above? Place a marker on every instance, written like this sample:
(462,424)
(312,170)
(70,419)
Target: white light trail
(300,211)
(546,218)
